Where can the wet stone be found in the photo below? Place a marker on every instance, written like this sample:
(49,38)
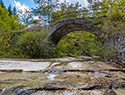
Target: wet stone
(24,91)
(61,77)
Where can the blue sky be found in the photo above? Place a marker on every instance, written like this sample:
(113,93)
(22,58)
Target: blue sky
(19,3)
(28,4)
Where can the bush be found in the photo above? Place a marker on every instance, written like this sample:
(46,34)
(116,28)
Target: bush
(84,43)
(107,52)
(79,43)
(36,45)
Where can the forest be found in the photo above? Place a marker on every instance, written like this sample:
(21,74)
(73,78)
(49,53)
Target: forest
(17,42)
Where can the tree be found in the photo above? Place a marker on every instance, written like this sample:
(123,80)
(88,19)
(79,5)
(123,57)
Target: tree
(14,11)
(107,11)
(110,8)
(36,45)
(7,25)
(109,17)
(2,4)
(10,10)
(46,7)
(66,11)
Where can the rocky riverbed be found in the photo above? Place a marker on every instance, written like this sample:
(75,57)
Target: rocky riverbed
(61,76)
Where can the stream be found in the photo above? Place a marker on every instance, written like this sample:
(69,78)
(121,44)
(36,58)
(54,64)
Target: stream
(61,76)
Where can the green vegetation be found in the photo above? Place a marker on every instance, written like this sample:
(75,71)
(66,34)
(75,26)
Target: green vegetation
(79,43)
(115,14)
(67,11)
(109,16)
(36,45)
(83,43)
(8,23)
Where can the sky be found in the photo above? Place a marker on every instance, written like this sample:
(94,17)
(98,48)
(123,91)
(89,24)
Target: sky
(28,4)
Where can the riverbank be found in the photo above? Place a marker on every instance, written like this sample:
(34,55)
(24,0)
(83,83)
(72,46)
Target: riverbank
(61,76)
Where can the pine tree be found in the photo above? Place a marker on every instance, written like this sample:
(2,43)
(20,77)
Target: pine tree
(14,11)
(10,11)
(2,4)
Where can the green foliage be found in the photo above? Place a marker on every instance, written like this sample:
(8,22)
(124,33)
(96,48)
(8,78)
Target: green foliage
(113,28)
(4,29)
(109,17)
(45,8)
(7,25)
(112,9)
(83,43)
(79,43)
(36,45)
(107,53)
(114,23)
(66,11)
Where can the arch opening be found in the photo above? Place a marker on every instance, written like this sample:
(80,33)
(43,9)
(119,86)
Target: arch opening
(79,43)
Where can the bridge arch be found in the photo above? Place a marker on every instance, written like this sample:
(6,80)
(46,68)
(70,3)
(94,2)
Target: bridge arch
(62,28)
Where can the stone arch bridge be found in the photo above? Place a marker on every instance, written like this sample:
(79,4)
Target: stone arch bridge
(57,30)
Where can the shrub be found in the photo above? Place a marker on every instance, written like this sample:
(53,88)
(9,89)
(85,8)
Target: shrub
(36,45)
(79,43)
(84,43)
(107,52)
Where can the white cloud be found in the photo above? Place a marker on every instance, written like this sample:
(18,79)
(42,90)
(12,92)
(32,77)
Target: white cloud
(20,6)
(36,18)
(24,12)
